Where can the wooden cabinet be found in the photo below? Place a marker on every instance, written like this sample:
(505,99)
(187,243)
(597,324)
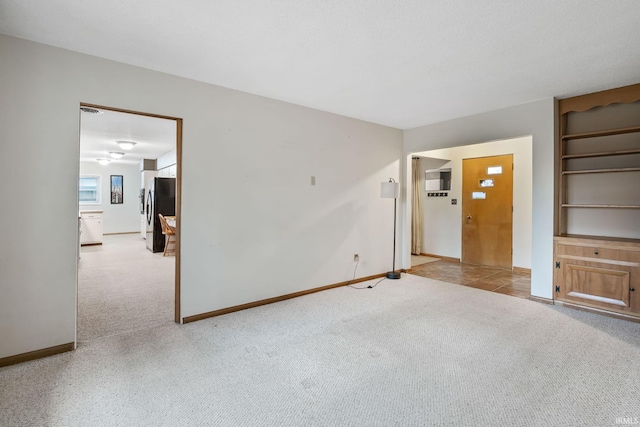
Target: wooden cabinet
(597,248)
(91,228)
(603,274)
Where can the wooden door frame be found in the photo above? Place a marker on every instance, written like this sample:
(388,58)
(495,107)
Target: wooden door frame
(177,317)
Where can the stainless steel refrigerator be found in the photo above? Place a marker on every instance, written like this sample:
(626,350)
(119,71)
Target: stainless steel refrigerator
(161,199)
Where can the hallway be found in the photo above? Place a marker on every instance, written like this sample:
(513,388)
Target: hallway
(123,287)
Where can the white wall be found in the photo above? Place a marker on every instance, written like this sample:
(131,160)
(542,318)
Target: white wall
(536,119)
(125,217)
(442,226)
(252,225)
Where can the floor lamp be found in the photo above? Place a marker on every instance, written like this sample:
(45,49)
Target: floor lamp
(391,190)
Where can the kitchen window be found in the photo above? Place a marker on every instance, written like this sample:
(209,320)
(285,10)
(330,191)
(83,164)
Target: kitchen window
(89,190)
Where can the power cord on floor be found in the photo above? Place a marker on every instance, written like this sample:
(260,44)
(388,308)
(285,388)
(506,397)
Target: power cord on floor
(354,277)
(370,286)
(355,268)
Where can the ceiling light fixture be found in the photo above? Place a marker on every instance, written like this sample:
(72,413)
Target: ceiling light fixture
(115,155)
(104,162)
(126,145)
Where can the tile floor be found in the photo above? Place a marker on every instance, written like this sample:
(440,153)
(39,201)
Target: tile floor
(476,276)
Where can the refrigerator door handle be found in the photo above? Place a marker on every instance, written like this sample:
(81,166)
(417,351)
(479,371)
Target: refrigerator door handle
(149,208)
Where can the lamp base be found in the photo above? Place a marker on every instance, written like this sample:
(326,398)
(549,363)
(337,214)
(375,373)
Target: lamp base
(393,275)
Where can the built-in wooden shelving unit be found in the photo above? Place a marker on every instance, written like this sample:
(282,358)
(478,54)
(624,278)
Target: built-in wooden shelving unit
(597,244)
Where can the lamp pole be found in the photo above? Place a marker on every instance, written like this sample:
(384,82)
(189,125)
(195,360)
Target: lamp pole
(394,274)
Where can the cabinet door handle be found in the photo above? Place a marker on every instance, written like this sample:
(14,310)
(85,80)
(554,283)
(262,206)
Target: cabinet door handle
(596,253)
(632,289)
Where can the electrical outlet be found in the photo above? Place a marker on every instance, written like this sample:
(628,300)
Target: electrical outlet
(356,257)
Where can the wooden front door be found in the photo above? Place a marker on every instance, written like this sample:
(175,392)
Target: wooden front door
(487,210)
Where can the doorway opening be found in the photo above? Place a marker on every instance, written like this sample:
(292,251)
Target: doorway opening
(124,284)
(441,192)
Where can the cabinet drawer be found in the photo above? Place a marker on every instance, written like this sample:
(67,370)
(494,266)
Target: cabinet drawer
(599,252)
(91,216)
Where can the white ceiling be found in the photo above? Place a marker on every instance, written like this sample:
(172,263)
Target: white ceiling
(402,63)
(99,133)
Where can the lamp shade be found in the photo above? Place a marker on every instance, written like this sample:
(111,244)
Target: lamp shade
(389,190)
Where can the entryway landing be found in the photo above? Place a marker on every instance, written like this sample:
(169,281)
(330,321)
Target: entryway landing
(491,279)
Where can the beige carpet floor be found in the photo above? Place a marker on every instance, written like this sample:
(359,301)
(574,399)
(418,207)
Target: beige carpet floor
(123,287)
(408,352)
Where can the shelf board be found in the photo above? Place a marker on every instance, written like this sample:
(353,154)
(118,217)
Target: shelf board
(578,205)
(583,237)
(596,134)
(601,154)
(600,171)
